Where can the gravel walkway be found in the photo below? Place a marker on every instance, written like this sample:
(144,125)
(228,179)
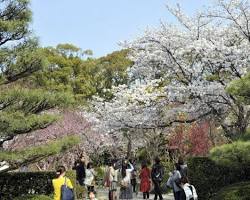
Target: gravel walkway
(102,194)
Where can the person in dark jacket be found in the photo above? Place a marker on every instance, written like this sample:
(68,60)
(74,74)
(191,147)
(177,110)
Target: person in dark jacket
(79,166)
(157,176)
(183,167)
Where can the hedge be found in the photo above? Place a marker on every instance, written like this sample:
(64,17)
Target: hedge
(239,191)
(209,177)
(21,184)
(34,197)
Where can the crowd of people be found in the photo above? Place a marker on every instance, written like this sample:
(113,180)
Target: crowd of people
(123,175)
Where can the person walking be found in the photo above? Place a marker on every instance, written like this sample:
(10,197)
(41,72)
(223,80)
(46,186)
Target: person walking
(126,191)
(157,176)
(79,166)
(113,179)
(145,184)
(175,182)
(183,167)
(90,178)
(133,175)
(59,181)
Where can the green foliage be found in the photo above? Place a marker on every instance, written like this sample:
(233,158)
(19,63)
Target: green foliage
(67,49)
(34,197)
(67,71)
(33,185)
(13,123)
(241,89)
(101,158)
(15,16)
(22,105)
(168,167)
(32,100)
(100,172)
(214,77)
(79,190)
(209,177)
(34,154)
(22,57)
(142,154)
(239,191)
(21,184)
(235,154)
(21,61)
(246,136)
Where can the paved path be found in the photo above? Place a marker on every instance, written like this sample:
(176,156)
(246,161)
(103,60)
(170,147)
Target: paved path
(102,194)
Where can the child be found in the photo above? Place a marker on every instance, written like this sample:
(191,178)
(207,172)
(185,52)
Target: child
(92,196)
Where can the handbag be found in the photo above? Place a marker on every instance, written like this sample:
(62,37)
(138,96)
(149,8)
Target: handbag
(66,192)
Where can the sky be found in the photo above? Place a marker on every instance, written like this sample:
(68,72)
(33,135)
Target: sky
(100,25)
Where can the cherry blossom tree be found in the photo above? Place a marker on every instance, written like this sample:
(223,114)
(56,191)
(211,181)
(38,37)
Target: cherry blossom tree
(129,114)
(197,59)
(181,73)
(71,123)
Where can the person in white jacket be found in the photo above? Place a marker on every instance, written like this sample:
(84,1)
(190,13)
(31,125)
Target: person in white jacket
(90,177)
(189,191)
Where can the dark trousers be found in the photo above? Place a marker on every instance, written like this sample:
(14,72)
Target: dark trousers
(133,183)
(80,181)
(145,195)
(110,195)
(177,195)
(157,188)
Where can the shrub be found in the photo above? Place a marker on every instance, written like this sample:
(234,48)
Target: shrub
(79,190)
(100,171)
(168,167)
(21,184)
(208,176)
(235,154)
(34,197)
(239,191)
(246,136)
(142,155)
(18,184)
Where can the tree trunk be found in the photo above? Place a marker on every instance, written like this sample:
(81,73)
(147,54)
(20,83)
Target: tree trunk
(129,147)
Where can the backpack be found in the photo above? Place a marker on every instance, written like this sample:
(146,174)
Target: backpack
(183,194)
(66,192)
(157,173)
(191,188)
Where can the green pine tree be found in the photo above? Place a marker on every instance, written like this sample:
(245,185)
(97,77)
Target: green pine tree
(240,88)
(22,106)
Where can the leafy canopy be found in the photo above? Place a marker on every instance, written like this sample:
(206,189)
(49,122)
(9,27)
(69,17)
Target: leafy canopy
(22,106)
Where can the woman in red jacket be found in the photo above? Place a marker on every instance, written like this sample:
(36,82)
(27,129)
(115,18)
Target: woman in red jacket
(145,180)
